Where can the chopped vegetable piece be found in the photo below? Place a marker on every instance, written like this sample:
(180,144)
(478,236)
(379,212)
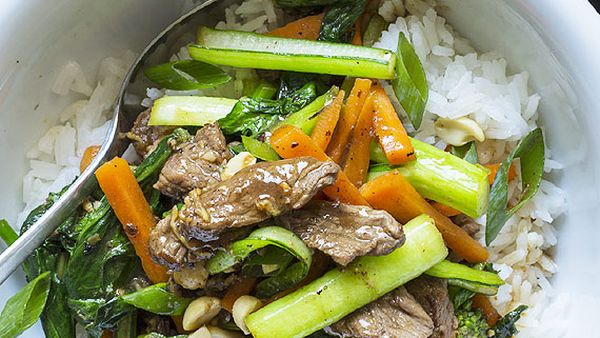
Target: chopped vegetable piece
(443,177)
(88,156)
(356,165)
(447,269)
(157,299)
(339,19)
(444,209)
(389,130)
(341,291)
(306,118)
(410,84)
(357,37)
(530,151)
(393,193)
(244,287)
(186,75)
(327,120)
(505,328)
(131,208)
(264,90)
(484,289)
(25,307)
(189,110)
(482,303)
(376,25)
(512,172)
(290,142)
(304,28)
(250,50)
(348,117)
(259,149)
(467,152)
(471,322)
(7,233)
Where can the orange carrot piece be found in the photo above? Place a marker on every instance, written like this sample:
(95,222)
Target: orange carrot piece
(393,193)
(389,130)
(444,209)
(512,173)
(348,117)
(305,28)
(244,287)
(88,156)
(357,38)
(482,303)
(357,161)
(327,121)
(133,211)
(290,142)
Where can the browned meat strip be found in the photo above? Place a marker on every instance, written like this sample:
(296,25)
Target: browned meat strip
(395,315)
(145,137)
(343,231)
(252,195)
(432,294)
(195,164)
(467,224)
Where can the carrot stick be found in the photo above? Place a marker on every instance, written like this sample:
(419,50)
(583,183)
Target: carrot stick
(357,38)
(133,211)
(290,142)
(389,130)
(88,156)
(327,121)
(512,173)
(244,287)
(444,209)
(393,193)
(348,117)
(482,303)
(305,28)
(357,161)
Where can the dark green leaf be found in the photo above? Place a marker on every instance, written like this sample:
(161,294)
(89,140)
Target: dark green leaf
(157,299)
(410,85)
(7,233)
(236,147)
(530,151)
(127,326)
(287,278)
(276,258)
(24,308)
(467,152)
(290,82)
(339,19)
(376,25)
(186,75)
(505,328)
(459,296)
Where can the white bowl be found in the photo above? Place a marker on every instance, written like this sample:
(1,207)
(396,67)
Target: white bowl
(555,41)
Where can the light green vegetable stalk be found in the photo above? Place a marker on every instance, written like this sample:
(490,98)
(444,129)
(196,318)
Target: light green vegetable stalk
(341,291)
(475,280)
(186,75)
(259,149)
(157,299)
(250,50)
(442,177)
(24,308)
(189,110)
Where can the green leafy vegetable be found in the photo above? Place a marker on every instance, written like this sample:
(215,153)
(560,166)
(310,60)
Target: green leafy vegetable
(505,327)
(339,19)
(306,118)
(261,238)
(467,152)
(341,291)
(410,84)
(530,151)
(7,233)
(157,299)
(251,116)
(127,326)
(186,75)
(376,25)
(24,308)
(290,82)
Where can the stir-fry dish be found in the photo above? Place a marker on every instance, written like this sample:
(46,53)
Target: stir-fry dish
(298,206)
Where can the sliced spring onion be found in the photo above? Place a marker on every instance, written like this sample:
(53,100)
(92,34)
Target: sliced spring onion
(189,110)
(306,118)
(186,75)
(341,291)
(442,177)
(156,299)
(259,149)
(484,289)
(467,152)
(447,269)
(250,50)
(530,151)
(410,84)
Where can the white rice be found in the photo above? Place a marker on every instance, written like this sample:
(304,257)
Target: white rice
(465,83)
(462,82)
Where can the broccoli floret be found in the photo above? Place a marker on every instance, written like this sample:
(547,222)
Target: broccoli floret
(471,323)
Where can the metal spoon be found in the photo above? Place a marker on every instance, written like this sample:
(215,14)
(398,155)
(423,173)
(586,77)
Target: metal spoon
(127,108)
